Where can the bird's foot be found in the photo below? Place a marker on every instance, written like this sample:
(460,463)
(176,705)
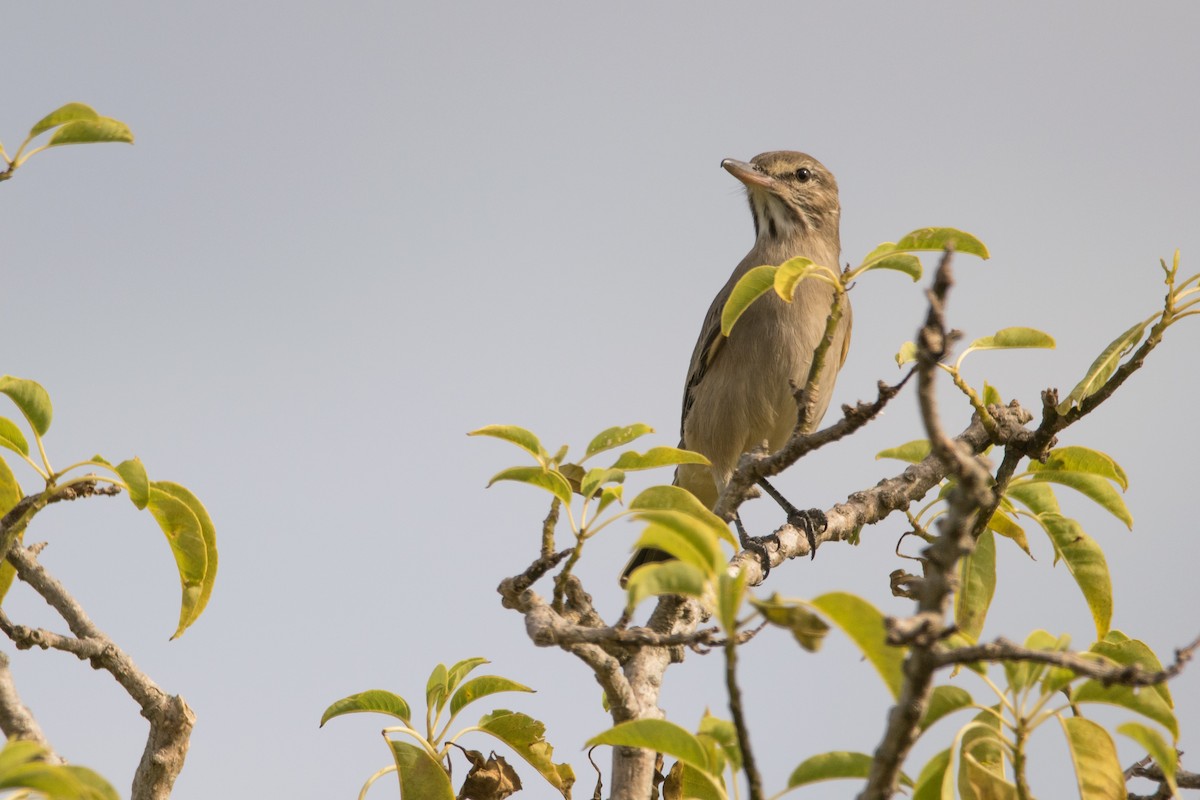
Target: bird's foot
(812,521)
(756,545)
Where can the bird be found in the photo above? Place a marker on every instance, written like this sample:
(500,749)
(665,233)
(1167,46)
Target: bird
(739,390)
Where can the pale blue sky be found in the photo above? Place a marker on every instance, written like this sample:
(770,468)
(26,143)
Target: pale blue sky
(350,233)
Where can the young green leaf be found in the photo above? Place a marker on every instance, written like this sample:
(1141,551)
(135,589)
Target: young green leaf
(977,574)
(940,238)
(608,496)
(1037,497)
(807,628)
(522,438)
(91,131)
(723,732)
(1086,563)
(61,115)
(675,498)
(913,452)
(906,354)
(731,590)
(1133,652)
(1007,527)
(686,539)
(1012,338)
(660,456)
(1083,459)
(12,438)
(932,777)
(32,399)
(1164,755)
(437,688)
(984,782)
(1103,367)
(186,539)
(549,479)
(134,474)
(482,686)
(1092,486)
(615,437)
(1097,769)
(209,534)
(665,577)
(10,495)
(596,477)
(789,274)
(943,701)
(910,265)
(375,700)
(526,736)
(658,735)
(1149,704)
(831,766)
(751,286)
(421,776)
(863,623)
(684,780)
(1026,673)
(456,673)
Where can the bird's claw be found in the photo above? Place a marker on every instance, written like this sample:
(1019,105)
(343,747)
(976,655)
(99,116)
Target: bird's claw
(812,521)
(756,545)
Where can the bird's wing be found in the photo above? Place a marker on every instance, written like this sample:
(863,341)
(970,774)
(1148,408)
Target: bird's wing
(708,346)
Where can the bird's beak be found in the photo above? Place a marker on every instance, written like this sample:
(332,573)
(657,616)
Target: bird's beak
(747,174)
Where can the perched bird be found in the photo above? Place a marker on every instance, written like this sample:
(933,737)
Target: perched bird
(738,392)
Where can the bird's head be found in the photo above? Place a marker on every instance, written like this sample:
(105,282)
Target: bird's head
(792,196)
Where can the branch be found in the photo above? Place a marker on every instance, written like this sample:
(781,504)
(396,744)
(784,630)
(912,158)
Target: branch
(1092,666)
(170,718)
(15,718)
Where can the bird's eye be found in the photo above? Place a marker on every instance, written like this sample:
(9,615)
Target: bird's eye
(803,174)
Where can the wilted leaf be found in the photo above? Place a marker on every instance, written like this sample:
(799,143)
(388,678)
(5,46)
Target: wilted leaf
(526,736)
(375,700)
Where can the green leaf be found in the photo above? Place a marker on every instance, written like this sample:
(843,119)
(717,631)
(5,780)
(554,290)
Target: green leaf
(421,776)
(615,437)
(91,131)
(684,537)
(134,474)
(913,452)
(12,438)
(437,688)
(23,766)
(985,784)
(686,781)
(660,456)
(1103,367)
(675,498)
(807,628)
(1163,754)
(980,740)
(526,737)
(189,614)
(63,114)
(456,673)
(186,539)
(943,700)
(658,735)
(665,577)
(1146,702)
(731,589)
(608,496)
(751,286)
(483,686)
(1086,563)
(1013,338)
(831,766)
(32,399)
(10,495)
(1092,486)
(1007,527)
(594,478)
(906,354)
(1026,673)
(1133,652)
(940,238)
(977,576)
(723,732)
(522,438)
(374,700)
(863,623)
(900,262)
(790,273)
(1037,497)
(1097,770)
(549,479)
(991,395)
(933,774)
(1083,459)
